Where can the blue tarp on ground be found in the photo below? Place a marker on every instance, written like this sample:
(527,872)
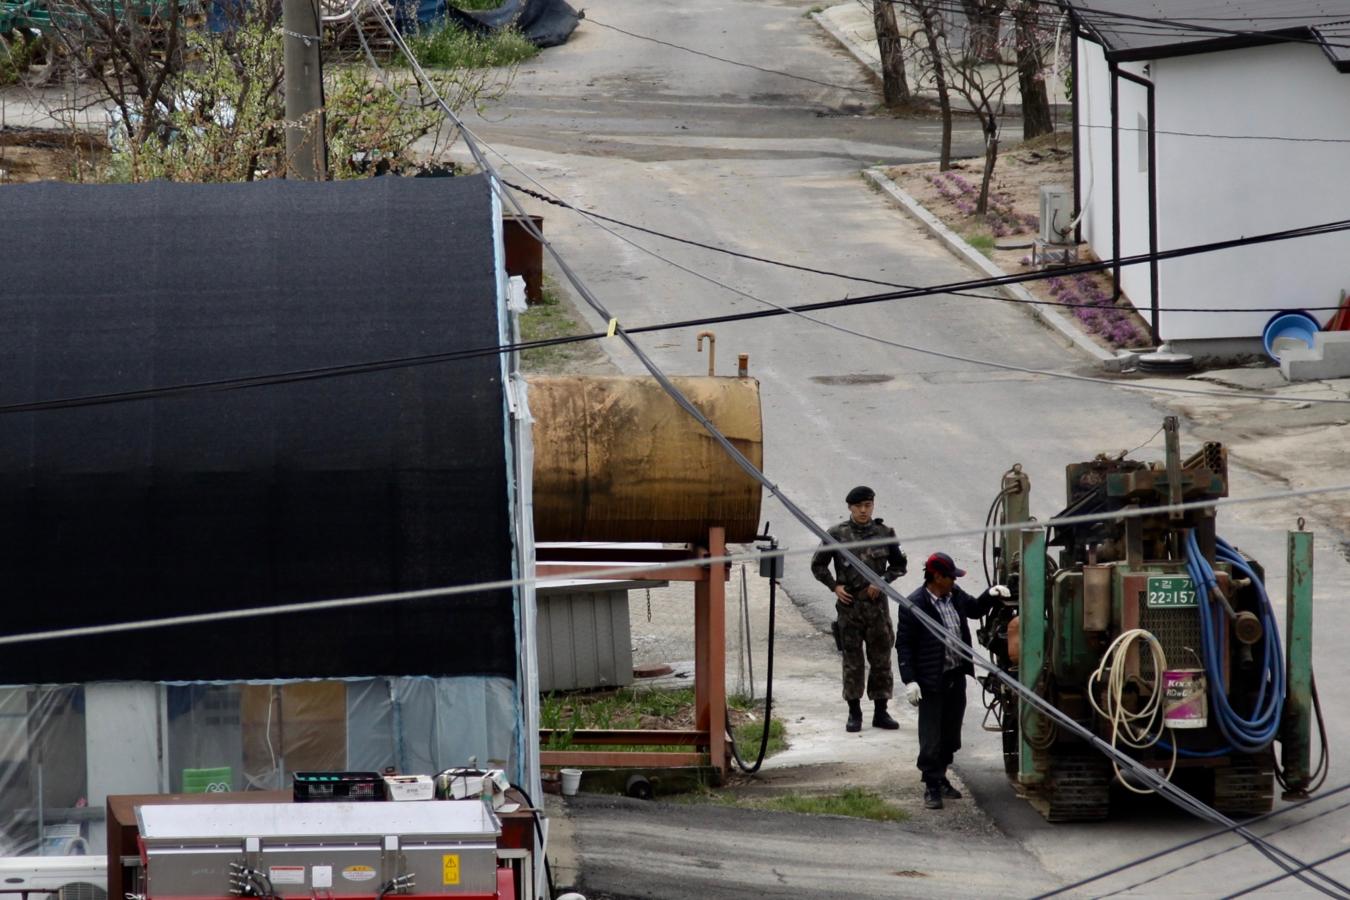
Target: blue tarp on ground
(546,23)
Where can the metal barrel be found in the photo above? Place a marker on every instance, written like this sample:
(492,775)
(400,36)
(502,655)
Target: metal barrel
(616,459)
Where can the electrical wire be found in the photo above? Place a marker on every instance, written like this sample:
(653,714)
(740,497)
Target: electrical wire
(1141,728)
(555,200)
(1303,867)
(768,696)
(1276,855)
(773,309)
(1176,848)
(1153,25)
(733,62)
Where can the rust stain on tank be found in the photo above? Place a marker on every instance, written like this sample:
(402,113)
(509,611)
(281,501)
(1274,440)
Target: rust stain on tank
(616,459)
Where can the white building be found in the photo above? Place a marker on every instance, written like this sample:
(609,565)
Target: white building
(1202,121)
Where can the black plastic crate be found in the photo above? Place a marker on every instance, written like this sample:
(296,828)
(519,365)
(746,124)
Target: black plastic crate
(335,787)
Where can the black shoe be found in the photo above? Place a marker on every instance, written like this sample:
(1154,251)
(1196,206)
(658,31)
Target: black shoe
(882,719)
(932,796)
(854,716)
(945,788)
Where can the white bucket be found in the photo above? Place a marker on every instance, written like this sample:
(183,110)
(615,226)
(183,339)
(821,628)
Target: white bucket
(571,780)
(1185,702)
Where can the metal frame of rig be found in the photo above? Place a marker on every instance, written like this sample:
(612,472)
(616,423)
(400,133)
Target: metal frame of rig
(1149,586)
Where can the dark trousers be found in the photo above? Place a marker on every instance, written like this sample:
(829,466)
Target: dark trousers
(940,715)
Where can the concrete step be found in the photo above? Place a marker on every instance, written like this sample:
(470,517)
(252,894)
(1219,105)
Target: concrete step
(1328,357)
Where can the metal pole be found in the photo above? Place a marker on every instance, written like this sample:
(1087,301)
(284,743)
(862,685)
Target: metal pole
(306,153)
(1296,730)
(1032,614)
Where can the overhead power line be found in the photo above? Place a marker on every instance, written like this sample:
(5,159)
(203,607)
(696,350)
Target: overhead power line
(1183,845)
(602,571)
(1285,860)
(554,200)
(733,62)
(1289,31)
(773,309)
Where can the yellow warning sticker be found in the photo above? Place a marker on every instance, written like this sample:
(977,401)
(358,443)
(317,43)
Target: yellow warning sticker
(450,868)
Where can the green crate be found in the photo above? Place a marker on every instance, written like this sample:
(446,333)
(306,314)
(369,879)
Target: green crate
(208,781)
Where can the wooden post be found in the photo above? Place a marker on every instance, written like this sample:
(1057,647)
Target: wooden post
(710,653)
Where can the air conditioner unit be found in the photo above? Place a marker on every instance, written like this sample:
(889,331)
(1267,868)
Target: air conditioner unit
(1056,214)
(66,877)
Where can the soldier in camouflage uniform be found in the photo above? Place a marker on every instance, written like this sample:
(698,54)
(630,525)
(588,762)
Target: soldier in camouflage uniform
(865,629)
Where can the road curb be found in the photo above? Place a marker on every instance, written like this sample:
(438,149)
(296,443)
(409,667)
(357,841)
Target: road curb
(955,243)
(855,49)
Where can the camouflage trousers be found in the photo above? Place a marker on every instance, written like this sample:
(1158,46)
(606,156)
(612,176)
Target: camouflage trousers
(867,636)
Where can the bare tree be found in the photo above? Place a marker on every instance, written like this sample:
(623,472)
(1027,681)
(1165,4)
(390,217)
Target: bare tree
(192,104)
(933,34)
(956,62)
(890,45)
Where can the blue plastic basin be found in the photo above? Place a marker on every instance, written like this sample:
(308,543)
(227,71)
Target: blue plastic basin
(1288,330)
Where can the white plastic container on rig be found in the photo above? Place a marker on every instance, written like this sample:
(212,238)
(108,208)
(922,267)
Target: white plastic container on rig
(1216,137)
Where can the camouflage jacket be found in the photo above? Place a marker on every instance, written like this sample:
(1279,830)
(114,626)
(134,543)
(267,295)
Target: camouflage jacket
(887,560)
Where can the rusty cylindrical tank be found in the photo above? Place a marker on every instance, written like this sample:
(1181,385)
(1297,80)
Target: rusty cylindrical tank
(616,459)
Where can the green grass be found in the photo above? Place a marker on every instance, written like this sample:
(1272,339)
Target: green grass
(748,734)
(853,802)
(476,4)
(445,45)
(981,241)
(543,321)
(631,707)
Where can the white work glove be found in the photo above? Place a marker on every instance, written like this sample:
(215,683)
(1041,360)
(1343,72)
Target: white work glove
(1000,591)
(913,694)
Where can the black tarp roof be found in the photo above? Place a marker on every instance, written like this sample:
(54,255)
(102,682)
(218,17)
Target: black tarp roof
(385,481)
(1154,29)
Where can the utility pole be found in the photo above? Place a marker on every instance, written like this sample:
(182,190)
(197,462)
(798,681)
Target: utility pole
(306,152)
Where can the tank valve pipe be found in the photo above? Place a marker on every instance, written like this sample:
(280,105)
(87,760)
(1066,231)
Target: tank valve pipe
(712,349)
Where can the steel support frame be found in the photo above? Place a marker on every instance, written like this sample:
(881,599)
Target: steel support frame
(708,736)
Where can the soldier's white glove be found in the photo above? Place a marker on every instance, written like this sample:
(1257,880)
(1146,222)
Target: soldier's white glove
(913,694)
(1000,591)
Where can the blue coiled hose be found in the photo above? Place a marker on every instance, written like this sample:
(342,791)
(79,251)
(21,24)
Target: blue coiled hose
(1245,735)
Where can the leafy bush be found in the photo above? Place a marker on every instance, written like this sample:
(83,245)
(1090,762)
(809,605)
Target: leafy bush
(445,45)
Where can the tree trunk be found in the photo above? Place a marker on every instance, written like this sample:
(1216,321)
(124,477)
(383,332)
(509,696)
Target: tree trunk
(982,23)
(990,157)
(932,25)
(894,83)
(1036,119)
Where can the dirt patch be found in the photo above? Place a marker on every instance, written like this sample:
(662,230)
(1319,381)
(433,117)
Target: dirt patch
(28,155)
(1006,233)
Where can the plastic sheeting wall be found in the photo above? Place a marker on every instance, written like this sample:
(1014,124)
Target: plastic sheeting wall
(253,735)
(314,488)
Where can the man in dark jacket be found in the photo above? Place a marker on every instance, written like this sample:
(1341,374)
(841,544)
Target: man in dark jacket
(865,631)
(935,674)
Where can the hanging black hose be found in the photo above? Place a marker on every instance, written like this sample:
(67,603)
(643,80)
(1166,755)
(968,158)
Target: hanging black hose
(539,829)
(768,695)
(1319,772)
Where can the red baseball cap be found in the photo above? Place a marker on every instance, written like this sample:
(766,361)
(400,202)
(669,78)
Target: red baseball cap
(941,564)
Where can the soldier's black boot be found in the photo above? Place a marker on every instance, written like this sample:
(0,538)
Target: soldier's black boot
(882,719)
(854,716)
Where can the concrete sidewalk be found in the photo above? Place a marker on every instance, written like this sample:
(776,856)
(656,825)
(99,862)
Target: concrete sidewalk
(851,25)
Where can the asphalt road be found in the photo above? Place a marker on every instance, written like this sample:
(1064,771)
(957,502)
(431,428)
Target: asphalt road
(766,164)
